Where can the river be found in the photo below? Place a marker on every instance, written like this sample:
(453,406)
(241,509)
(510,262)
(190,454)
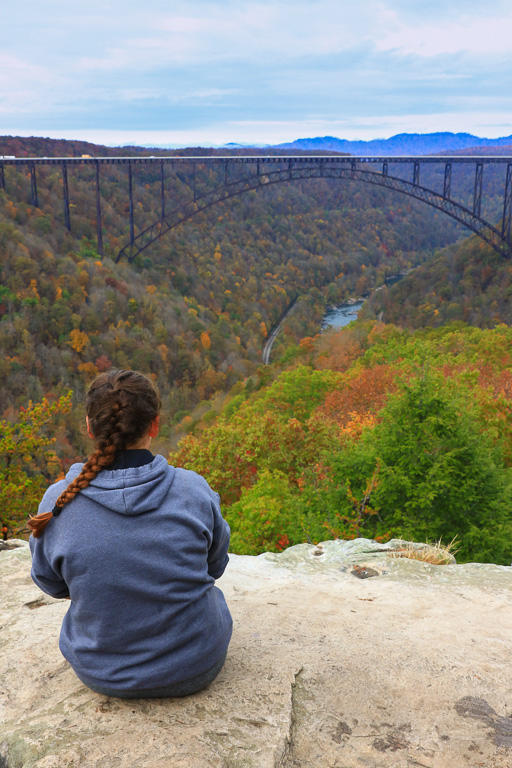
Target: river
(335,317)
(343,314)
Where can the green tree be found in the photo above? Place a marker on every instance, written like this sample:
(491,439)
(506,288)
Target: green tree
(264,519)
(440,476)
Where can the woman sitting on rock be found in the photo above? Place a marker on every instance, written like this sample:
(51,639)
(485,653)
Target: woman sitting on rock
(136,545)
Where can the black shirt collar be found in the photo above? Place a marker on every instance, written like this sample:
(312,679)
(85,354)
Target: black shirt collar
(132,457)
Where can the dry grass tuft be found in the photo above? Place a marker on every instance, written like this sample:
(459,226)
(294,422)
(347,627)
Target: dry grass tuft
(436,554)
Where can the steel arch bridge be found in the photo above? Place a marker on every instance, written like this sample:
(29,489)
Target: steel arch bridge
(260,171)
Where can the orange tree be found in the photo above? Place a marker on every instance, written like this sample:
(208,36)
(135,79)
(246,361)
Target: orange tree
(27,462)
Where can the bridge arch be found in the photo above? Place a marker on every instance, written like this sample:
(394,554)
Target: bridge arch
(470,219)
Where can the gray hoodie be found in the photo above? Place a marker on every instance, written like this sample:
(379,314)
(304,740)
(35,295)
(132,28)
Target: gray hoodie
(138,552)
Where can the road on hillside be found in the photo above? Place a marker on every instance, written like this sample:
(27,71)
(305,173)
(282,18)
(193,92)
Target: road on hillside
(269,341)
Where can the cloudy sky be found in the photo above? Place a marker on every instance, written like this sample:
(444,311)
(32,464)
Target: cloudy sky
(212,71)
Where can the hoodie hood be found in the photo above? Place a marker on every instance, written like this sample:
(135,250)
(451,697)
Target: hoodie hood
(129,491)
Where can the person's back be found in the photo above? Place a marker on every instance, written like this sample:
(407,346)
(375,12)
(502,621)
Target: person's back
(137,550)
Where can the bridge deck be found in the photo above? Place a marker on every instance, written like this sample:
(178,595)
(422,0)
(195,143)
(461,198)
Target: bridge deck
(251,159)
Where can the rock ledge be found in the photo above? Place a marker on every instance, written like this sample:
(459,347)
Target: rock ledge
(407,666)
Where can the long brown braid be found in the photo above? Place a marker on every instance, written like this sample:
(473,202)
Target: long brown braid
(120,407)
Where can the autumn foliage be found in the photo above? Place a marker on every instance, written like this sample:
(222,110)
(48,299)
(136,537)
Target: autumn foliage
(373,431)
(28,462)
(411,440)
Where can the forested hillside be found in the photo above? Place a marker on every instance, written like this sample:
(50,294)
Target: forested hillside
(469,282)
(195,308)
(371,431)
(363,433)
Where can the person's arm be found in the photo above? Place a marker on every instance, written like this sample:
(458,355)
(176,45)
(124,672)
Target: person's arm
(218,552)
(46,578)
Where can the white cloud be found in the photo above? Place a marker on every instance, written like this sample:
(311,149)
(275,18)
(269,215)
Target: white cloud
(289,68)
(374,127)
(477,35)
(255,32)
(22,83)
(278,131)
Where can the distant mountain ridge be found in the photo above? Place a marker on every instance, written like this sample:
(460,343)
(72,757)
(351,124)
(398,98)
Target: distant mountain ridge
(401,144)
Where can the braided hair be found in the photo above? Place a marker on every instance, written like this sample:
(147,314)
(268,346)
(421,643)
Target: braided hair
(120,407)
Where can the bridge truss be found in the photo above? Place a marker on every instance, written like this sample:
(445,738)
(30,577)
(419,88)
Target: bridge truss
(257,172)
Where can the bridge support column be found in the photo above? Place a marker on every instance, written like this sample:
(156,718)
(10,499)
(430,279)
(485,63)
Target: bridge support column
(353,168)
(65,193)
(162,191)
(33,186)
(506,227)
(416,175)
(384,169)
(99,231)
(130,195)
(447,181)
(2,177)
(194,183)
(477,196)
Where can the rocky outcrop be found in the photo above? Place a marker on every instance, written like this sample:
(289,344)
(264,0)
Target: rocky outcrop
(342,657)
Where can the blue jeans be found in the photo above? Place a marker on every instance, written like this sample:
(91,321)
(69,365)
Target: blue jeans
(174,690)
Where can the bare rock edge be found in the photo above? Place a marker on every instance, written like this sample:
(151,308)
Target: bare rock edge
(405,665)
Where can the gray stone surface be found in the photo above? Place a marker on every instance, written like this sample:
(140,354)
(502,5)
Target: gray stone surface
(408,667)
